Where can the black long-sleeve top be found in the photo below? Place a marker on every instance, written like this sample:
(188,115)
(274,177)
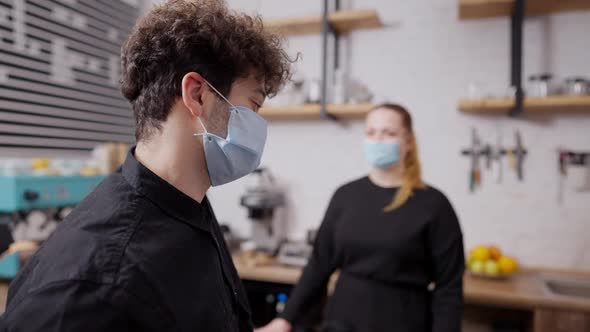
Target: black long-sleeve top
(409,248)
(136,255)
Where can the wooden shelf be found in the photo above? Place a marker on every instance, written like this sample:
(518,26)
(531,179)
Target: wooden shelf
(312,111)
(295,25)
(531,104)
(346,21)
(343,21)
(477,9)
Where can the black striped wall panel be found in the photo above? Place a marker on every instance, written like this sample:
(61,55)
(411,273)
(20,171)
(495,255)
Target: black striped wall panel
(59,74)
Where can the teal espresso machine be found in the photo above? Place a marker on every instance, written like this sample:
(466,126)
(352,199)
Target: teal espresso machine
(31,206)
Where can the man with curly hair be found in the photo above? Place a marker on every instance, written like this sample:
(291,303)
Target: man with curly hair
(144,251)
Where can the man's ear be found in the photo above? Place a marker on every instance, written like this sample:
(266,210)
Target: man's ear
(193,87)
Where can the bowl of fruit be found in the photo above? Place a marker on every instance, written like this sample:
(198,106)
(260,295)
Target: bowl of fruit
(489,262)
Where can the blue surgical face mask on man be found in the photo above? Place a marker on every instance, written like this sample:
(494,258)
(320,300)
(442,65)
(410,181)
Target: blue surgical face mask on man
(382,154)
(239,154)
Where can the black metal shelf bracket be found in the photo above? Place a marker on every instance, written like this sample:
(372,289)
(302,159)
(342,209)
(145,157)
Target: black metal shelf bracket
(327,30)
(516,28)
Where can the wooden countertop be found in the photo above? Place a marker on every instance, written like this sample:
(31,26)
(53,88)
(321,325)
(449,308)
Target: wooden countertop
(524,290)
(3,295)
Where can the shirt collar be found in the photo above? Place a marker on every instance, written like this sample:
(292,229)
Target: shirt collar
(167,197)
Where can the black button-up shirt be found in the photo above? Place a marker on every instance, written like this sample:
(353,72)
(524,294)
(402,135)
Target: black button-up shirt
(136,255)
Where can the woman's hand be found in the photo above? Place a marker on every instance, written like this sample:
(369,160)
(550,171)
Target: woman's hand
(277,325)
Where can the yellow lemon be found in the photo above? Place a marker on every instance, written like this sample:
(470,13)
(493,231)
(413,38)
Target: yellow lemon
(491,268)
(508,265)
(477,266)
(480,253)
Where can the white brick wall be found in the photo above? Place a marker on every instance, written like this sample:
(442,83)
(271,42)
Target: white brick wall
(425,60)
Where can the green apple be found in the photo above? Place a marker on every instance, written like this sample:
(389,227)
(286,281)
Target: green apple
(476,266)
(491,268)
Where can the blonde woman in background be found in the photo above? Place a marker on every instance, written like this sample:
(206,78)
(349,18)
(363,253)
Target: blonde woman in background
(390,236)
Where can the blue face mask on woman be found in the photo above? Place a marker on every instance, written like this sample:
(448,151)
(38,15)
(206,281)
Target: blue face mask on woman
(239,154)
(381,154)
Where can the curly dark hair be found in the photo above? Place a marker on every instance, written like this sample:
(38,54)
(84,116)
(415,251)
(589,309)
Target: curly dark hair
(203,36)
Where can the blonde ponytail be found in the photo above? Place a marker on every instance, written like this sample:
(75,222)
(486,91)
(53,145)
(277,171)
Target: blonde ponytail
(412,178)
